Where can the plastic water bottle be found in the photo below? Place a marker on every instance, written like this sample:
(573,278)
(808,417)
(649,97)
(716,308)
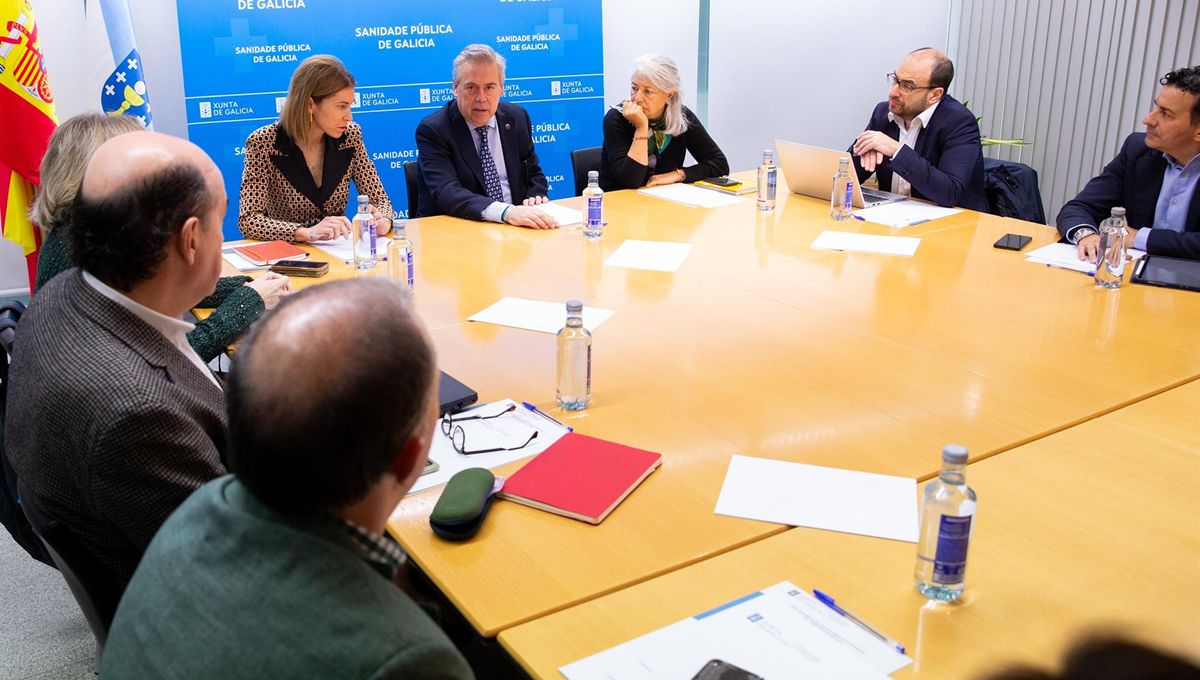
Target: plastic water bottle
(400,256)
(767,174)
(362,231)
(947,509)
(593,225)
(574,361)
(1111,267)
(841,202)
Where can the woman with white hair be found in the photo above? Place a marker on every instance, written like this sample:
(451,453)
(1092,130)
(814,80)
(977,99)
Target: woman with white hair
(648,136)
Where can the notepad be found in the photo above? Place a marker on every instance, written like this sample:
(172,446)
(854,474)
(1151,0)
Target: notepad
(270,252)
(581,477)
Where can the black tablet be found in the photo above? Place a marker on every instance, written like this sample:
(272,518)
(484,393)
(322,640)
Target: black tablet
(1167,272)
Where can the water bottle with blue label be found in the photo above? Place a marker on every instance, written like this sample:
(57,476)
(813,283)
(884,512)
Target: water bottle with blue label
(947,509)
(767,175)
(593,223)
(362,233)
(400,256)
(841,202)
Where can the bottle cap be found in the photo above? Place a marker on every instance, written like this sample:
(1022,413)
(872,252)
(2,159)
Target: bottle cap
(574,307)
(768,153)
(593,174)
(844,160)
(1118,212)
(954,453)
(363,198)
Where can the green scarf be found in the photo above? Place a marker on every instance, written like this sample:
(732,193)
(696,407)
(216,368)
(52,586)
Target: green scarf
(659,139)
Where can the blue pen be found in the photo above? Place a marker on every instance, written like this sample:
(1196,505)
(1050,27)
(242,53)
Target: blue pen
(832,604)
(860,218)
(547,416)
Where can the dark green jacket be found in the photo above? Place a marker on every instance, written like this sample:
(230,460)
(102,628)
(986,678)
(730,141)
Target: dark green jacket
(237,305)
(230,588)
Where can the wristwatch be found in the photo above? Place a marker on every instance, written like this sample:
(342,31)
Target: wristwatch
(1081,233)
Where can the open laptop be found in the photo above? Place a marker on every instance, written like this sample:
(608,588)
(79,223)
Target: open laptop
(809,171)
(453,395)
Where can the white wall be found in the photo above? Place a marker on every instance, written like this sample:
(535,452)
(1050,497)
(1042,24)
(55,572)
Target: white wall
(630,31)
(801,70)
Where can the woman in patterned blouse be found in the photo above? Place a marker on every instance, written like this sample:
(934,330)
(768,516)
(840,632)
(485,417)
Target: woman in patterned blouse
(297,177)
(238,300)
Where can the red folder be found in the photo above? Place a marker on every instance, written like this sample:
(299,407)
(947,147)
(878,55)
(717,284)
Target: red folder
(581,477)
(271,252)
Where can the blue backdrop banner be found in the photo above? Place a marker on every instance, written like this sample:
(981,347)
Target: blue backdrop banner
(238,57)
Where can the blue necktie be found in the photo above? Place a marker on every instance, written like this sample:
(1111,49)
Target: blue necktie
(491,180)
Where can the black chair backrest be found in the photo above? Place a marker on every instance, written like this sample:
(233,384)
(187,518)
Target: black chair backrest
(410,184)
(583,160)
(93,585)
(10,314)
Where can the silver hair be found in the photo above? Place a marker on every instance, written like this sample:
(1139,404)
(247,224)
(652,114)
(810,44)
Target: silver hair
(664,75)
(477,54)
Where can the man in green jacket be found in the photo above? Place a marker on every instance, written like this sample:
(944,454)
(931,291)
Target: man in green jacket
(284,569)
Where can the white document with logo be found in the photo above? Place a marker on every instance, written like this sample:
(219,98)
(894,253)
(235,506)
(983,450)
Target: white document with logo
(778,633)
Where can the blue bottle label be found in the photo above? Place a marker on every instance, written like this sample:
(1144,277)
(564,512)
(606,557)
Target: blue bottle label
(594,209)
(409,259)
(771,174)
(950,561)
(849,196)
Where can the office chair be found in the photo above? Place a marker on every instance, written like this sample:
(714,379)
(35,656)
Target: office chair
(410,183)
(94,587)
(583,160)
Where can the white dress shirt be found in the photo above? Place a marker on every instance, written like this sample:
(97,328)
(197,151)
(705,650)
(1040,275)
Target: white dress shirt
(908,137)
(494,211)
(174,330)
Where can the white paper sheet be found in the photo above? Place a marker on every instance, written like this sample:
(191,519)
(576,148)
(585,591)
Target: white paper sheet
(690,195)
(1066,256)
(866,243)
(820,497)
(659,256)
(781,632)
(562,214)
(510,429)
(536,315)
(343,248)
(241,263)
(904,213)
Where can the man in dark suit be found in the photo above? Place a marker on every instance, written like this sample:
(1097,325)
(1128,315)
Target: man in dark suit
(285,568)
(922,142)
(1154,178)
(112,417)
(476,153)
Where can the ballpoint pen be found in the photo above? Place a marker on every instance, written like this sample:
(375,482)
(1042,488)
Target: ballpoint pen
(832,604)
(911,224)
(547,416)
(860,218)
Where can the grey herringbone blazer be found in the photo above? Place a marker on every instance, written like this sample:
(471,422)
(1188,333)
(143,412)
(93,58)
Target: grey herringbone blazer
(109,427)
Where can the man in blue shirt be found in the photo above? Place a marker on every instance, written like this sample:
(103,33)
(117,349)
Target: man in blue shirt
(1154,178)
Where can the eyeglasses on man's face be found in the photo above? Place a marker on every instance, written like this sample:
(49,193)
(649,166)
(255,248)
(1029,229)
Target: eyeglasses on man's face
(906,86)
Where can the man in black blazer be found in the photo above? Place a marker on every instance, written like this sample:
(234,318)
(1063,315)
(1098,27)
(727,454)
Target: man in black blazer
(113,420)
(921,141)
(1154,178)
(476,153)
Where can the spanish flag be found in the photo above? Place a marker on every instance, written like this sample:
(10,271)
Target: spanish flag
(26,122)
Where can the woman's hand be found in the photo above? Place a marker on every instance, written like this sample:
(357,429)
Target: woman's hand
(635,115)
(271,287)
(334,226)
(666,178)
(383,224)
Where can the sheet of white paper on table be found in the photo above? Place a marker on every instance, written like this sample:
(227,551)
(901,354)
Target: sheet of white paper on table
(866,243)
(690,195)
(510,429)
(904,213)
(1066,256)
(820,497)
(240,263)
(562,214)
(343,248)
(536,315)
(780,632)
(659,256)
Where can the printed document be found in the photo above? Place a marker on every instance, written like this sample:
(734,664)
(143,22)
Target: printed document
(535,315)
(690,195)
(866,243)
(904,213)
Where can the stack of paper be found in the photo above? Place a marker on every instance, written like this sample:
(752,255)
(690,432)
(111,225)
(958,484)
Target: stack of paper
(536,315)
(690,195)
(240,263)
(904,213)
(343,248)
(1066,256)
(866,243)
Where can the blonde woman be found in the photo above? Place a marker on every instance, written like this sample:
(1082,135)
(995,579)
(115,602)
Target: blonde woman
(647,137)
(297,177)
(238,300)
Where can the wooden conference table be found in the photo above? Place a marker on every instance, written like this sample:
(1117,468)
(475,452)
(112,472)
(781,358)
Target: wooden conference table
(1095,526)
(762,346)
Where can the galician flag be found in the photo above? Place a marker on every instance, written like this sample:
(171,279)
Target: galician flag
(26,123)
(116,65)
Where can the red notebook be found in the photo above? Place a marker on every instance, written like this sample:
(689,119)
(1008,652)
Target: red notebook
(271,252)
(580,477)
